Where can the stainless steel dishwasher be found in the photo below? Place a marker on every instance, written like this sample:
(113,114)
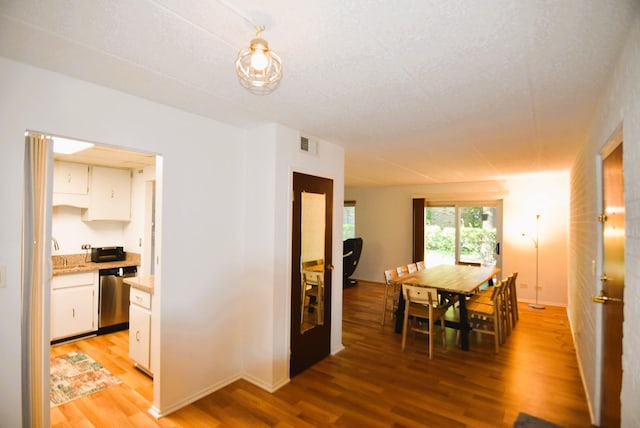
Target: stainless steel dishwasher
(113,310)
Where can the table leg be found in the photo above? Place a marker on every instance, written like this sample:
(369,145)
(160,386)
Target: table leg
(464,324)
(400,313)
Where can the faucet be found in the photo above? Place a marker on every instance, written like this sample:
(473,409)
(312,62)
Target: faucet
(56,247)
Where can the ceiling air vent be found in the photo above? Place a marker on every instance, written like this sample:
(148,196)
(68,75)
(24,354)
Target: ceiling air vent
(308,146)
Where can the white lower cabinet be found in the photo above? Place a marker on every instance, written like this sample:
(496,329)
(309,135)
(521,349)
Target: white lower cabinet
(73,305)
(140,329)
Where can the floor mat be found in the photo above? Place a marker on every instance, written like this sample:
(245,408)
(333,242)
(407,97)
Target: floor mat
(76,375)
(525,420)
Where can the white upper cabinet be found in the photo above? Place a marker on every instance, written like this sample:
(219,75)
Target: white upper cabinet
(109,194)
(70,184)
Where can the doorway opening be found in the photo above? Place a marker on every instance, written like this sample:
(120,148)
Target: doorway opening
(62,217)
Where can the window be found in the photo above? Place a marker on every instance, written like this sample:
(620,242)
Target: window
(349,220)
(461,233)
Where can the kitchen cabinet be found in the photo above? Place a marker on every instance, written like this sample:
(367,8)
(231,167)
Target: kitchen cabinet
(140,329)
(70,184)
(74,308)
(109,194)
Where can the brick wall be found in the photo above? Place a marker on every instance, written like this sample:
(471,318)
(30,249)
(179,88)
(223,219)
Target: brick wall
(620,104)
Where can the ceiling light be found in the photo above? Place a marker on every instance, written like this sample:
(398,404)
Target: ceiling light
(259,69)
(69,147)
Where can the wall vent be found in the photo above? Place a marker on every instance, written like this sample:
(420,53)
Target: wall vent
(308,146)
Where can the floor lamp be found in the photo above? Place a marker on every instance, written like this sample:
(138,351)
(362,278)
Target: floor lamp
(536,305)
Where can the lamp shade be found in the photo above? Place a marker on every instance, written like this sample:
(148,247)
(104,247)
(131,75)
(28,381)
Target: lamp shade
(259,69)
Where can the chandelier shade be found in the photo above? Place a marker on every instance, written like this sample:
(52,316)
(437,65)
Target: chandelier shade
(259,69)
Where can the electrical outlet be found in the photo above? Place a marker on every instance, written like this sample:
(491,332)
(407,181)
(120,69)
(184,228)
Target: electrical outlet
(85,247)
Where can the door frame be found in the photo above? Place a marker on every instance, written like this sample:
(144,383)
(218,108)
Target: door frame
(613,143)
(40,408)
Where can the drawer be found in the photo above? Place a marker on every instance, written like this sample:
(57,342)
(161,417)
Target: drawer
(140,298)
(72,280)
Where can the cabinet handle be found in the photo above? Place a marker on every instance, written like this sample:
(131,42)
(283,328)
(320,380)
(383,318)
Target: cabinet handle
(137,335)
(73,312)
(69,178)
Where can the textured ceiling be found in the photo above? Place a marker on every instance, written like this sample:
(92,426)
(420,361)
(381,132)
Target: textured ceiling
(416,91)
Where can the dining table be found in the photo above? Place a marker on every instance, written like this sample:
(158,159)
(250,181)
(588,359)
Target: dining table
(451,281)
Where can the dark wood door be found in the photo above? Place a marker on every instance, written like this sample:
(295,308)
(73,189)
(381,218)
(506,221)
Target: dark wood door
(311,266)
(612,287)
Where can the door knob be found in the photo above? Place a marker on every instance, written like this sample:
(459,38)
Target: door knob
(330,267)
(601,298)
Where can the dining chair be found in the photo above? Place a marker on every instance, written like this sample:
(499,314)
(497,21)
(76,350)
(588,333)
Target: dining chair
(412,267)
(312,297)
(420,265)
(509,303)
(390,275)
(402,270)
(515,316)
(421,303)
(504,304)
(484,314)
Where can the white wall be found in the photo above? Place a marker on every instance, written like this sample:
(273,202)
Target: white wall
(271,161)
(204,225)
(197,152)
(328,163)
(620,104)
(71,232)
(384,221)
(546,194)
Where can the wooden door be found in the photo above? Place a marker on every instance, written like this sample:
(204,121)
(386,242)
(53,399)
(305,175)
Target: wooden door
(612,287)
(311,265)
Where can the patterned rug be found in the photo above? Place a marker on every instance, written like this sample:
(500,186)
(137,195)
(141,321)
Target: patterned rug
(75,375)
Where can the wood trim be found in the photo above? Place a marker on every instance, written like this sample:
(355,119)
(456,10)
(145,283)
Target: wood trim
(418,229)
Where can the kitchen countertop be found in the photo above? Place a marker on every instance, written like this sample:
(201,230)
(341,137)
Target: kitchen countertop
(76,263)
(144,283)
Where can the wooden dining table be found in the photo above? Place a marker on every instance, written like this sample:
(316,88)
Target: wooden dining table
(450,280)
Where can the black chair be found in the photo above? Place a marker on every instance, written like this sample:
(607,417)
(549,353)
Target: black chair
(351,251)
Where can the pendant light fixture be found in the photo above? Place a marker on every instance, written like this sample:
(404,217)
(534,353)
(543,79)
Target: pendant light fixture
(259,69)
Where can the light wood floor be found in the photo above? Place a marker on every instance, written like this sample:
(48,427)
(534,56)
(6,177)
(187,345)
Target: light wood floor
(371,383)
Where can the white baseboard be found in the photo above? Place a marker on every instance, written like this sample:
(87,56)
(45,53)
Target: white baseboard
(592,414)
(158,413)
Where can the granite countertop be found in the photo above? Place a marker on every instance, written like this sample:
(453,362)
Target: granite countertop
(75,263)
(144,283)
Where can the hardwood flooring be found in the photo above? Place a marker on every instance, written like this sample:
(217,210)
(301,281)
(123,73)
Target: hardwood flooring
(371,383)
